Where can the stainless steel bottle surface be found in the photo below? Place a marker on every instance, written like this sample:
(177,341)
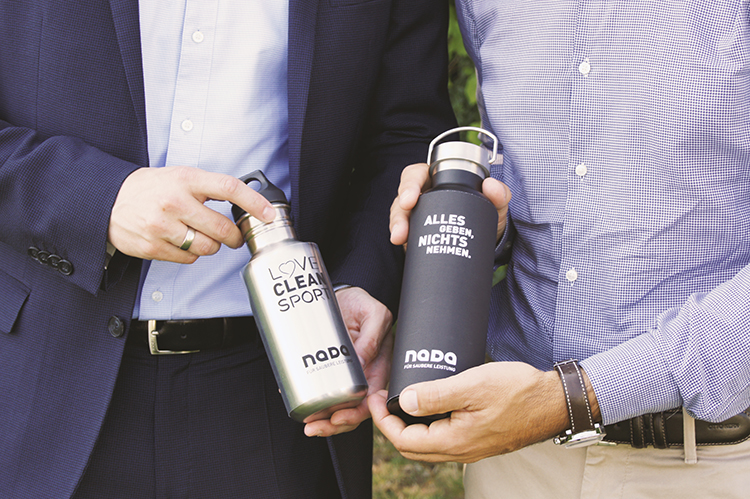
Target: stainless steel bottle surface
(306,340)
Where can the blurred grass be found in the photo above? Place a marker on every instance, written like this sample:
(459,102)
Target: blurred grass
(395,477)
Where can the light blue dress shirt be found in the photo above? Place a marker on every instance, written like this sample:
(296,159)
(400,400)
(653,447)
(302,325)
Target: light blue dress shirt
(215,76)
(626,133)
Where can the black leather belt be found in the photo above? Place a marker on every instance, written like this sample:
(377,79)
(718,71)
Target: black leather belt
(190,336)
(664,429)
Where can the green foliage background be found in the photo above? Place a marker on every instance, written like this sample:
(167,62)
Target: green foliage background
(462,80)
(395,477)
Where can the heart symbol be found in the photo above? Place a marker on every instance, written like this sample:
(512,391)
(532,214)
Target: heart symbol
(287,268)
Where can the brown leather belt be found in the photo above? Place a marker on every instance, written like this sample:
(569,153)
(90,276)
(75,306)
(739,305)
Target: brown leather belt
(190,336)
(664,429)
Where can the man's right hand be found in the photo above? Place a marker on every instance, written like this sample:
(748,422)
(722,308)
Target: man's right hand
(415,179)
(156,206)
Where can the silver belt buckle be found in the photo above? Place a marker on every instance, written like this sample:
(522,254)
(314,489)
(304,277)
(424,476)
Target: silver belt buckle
(153,344)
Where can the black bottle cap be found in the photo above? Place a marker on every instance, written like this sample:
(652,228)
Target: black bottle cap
(269,191)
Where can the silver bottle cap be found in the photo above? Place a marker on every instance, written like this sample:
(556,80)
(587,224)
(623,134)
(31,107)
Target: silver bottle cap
(460,155)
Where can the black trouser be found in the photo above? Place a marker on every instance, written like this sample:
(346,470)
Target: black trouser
(209,425)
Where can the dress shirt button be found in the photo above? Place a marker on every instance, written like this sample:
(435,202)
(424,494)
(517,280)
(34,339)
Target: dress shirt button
(157,296)
(581,170)
(197,36)
(116,326)
(571,275)
(187,125)
(65,267)
(584,68)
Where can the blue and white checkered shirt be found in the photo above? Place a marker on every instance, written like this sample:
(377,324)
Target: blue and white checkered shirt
(626,133)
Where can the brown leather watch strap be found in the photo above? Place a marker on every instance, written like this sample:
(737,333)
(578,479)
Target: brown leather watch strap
(579,410)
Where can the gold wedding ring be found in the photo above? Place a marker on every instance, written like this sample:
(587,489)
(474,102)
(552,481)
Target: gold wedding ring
(189,238)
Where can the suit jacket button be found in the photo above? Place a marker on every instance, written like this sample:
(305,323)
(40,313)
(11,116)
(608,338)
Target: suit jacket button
(53,261)
(65,267)
(42,257)
(116,326)
(33,252)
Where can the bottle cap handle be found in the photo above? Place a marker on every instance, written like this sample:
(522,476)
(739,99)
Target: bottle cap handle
(462,129)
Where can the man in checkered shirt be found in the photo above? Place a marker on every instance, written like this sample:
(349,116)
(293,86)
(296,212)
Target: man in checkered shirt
(625,128)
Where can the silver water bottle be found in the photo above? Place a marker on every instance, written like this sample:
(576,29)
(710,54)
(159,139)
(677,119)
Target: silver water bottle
(445,295)
(313,359)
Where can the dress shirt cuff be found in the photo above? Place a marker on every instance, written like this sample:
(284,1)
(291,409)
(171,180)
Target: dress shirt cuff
(631,379)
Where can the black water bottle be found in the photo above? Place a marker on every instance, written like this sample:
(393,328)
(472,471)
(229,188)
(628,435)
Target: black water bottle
(445,295)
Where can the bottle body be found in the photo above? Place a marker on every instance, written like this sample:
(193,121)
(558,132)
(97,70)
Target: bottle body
(444,307)
(305,338)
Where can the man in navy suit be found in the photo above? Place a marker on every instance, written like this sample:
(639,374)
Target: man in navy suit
(123,128)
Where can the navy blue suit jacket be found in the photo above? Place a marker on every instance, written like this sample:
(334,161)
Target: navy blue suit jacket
(367,92)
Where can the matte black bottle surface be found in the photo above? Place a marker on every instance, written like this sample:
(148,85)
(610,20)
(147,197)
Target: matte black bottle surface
(306,340)
(444,309)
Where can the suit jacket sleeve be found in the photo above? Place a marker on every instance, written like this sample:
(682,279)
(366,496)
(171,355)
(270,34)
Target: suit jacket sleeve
(409,107)
(56,191)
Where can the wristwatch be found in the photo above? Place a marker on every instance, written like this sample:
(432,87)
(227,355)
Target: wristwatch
(583,431)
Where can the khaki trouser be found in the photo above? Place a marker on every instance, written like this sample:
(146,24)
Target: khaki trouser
(546,471)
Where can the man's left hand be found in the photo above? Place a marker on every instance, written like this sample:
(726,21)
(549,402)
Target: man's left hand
(369,323)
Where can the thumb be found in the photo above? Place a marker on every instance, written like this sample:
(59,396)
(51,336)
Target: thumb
(432,397)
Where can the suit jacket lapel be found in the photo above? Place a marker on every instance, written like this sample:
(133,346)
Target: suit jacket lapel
(302,21)
(127,26)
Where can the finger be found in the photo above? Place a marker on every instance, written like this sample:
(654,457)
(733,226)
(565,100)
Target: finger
(212,225)
(391,426)
(399,224)
(441,441)
(414,179)
(434,397)
(413,441)
(209,185)
(325,428)
(168,252)
(202,245)
(499,194)
(368,321)
(341,421)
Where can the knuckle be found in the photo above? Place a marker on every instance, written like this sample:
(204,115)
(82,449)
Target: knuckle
(369,346)
(225,229)
(183,173)
(149,249)
(230,186)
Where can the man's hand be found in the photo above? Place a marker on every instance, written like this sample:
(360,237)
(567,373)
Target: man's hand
(369,323)
(415,179)
(495,408)
(156,206)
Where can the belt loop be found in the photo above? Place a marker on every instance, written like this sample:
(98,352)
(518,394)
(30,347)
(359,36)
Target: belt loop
(659,430)
(637,433)
(688,430)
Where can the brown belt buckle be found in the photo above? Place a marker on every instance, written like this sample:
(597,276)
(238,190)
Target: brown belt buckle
(153,345)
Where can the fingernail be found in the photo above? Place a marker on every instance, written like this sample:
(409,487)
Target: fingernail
(408,401)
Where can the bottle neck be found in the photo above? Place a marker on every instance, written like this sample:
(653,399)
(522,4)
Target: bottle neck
(459,178)
(259,235)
